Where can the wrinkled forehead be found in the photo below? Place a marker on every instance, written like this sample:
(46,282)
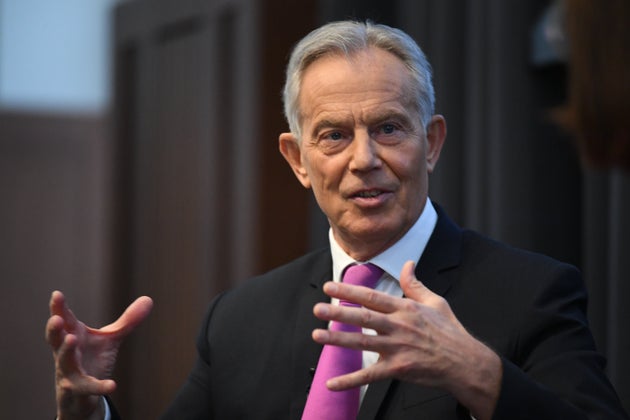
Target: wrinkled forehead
(338,73)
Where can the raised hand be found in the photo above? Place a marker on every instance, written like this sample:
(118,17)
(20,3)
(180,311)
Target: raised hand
(419,340)
(85,357)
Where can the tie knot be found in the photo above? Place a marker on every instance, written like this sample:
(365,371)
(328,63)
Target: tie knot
(362,275)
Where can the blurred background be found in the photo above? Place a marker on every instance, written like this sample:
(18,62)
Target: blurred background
(138,155)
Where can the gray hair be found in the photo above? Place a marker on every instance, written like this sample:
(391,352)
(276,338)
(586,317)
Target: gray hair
(348,38)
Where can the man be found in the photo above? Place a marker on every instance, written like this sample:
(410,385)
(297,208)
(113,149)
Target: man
(488,332)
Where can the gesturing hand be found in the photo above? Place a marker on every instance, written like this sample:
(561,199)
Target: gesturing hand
(419,340)
(84,356)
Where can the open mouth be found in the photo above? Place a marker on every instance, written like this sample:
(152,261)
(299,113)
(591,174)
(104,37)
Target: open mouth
(368,194)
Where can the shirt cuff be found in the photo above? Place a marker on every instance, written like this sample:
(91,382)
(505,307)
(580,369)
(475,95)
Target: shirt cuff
(108,413)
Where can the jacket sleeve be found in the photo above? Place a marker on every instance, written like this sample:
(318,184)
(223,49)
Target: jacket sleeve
(193,400)
(556,372)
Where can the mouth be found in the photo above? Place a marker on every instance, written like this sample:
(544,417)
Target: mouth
(368,193)
(370,199)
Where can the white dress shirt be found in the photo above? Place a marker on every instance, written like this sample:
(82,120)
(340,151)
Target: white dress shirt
(409,247)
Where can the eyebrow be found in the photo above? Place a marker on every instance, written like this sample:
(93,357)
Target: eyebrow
(398,116)
(387,114)
(372,118)
(328,123)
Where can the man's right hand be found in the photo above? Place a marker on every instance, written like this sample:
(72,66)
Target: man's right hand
(85,357)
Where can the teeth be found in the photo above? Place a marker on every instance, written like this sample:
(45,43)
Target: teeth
(368,194)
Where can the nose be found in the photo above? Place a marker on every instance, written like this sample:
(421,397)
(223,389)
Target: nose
(364,153)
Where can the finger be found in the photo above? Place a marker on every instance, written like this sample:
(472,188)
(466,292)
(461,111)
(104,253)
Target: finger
(360,317)
(358,378)
(58,307)
(67,363)
(56,302)
(364,296)
(71,376)
(353,340)
(86,385)
(133,315)
(411,286)
(55,332)
(93,386)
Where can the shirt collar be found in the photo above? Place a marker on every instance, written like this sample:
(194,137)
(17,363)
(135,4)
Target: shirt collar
(409,247)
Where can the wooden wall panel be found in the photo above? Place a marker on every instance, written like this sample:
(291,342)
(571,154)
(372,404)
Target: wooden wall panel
(54,217)
(207,200)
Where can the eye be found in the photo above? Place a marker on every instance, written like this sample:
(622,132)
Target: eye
(333,140)
(388,128)
(334,135)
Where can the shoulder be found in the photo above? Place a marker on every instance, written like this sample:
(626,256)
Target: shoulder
(523,290)
(483,252)
(276,287)
(487,258)
(295,273)
(265,301)
(513,279)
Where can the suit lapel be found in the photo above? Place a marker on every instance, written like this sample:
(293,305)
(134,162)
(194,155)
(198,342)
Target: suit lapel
(374,398)
(441,254)
(305,350)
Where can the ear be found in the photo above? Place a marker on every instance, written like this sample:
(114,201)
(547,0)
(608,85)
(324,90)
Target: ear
(290,149)
(436,134)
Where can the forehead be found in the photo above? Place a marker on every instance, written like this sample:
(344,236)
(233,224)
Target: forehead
(367,79)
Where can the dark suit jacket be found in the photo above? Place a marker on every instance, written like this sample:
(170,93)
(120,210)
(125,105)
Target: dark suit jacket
(256,355)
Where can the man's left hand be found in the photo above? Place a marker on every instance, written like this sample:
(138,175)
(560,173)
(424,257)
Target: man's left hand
(419,340)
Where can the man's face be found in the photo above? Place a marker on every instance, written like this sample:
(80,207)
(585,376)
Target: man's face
(364,151)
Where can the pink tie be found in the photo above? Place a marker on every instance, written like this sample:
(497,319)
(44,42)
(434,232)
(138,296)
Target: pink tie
(322,403)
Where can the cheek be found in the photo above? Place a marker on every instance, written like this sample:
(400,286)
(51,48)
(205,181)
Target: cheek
(408,169)
(325,172)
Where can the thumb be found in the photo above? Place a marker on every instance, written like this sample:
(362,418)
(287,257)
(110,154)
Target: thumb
(411,286)
(133,315)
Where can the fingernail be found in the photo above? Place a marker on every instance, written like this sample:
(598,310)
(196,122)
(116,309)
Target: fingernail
(331,287)
(322,309)
(320,335)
